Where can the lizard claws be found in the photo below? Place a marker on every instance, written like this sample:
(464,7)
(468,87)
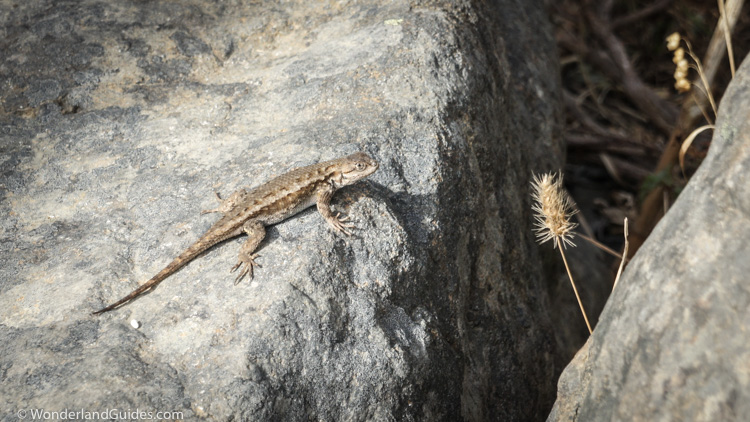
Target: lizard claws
(340,224)
(247,263)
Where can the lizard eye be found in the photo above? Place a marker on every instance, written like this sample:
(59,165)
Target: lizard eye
(360,166)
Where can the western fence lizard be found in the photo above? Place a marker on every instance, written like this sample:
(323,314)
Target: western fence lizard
(251,211)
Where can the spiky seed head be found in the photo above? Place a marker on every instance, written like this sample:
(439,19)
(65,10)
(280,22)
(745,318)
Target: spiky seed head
(673,41)
(681,83)
(679,55)
(680,74)
(553,209)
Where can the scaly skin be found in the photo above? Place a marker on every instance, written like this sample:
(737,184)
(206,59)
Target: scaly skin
(251,211)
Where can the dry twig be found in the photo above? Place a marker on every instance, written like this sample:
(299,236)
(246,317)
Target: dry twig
(624,254)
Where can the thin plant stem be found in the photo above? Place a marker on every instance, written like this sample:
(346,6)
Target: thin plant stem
(599,245)
(727,35)
(700,107)
(624,254)
(572,283)
(702,75)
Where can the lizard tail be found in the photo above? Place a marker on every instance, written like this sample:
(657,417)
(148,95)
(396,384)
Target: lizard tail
(137,292)
(179,262)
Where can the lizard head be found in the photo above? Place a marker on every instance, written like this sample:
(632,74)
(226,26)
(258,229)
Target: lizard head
(355,167)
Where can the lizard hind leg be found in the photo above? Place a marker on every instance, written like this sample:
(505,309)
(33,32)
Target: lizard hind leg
(255,232)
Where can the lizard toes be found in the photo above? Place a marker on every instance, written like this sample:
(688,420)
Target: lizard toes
(343,228)
(340,218)
(341,225)
(247,268)
(247,263)
(241,274)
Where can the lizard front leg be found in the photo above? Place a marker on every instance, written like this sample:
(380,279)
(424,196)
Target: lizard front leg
(255,232)
(324,207)
(226,205)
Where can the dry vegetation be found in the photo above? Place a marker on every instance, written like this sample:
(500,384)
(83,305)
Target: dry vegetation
(640,104)
(625,121)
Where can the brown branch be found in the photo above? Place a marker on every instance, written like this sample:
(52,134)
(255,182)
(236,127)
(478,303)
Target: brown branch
(623,171)
(652,209)
(605,7)
(641,14)
(599,143)
(595,57)
(571,104)
(661,113)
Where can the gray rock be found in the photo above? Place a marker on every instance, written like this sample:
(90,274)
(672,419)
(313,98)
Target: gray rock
(672,342)
(119,121)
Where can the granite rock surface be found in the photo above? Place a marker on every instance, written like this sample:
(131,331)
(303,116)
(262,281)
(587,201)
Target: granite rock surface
(119,121)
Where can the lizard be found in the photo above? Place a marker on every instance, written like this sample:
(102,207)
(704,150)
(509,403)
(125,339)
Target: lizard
(250,211)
